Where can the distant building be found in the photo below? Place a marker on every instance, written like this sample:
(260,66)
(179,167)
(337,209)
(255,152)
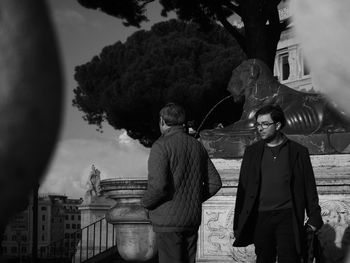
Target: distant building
(58,218)
(290,66)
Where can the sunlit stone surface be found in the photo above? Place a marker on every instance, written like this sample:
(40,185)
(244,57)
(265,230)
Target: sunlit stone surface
(333,184)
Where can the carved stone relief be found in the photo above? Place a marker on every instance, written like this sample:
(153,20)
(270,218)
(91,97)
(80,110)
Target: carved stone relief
(216,233)
(334,236)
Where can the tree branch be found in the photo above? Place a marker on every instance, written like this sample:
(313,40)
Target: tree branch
(146,2)
(234,8)
(231,29)
(274,18)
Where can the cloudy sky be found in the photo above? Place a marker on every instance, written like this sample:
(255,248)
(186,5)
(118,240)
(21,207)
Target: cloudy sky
(82,33)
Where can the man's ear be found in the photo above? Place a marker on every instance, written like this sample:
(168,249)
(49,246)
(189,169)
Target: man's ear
(161,120)
(278,126)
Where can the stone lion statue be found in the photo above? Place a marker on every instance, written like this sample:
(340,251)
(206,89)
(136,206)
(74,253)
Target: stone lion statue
(306,113)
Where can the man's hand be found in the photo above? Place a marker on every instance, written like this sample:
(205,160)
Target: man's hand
(311,227)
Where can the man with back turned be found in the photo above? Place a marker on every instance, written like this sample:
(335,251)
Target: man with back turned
(180,178)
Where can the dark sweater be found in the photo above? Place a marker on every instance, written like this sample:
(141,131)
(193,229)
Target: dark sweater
(275,178)
(180,177)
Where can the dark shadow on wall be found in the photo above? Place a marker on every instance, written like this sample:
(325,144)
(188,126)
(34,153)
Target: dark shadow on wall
(334,251)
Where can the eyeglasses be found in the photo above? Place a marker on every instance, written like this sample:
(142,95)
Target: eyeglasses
(263,125)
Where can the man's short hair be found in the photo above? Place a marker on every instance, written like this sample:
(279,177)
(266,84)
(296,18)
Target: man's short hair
(276,112)
(173,114)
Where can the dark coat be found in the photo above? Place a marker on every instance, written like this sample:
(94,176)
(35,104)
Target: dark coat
(181,177)
(302,186)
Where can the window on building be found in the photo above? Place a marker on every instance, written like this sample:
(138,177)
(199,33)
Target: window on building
(13,249)
(72,244)
(78,235)
(67,226)
(66,244)
(79,217)
(43,227)
(42,237)
(306,69)
(72,235)
(284,66)
(4,250)
(52,220)
(43,217)
(74,226)
(4,237)
(72,217)
(24,238)
(43,208)
(14,238)
(67,217)
(24,249)
(78,226)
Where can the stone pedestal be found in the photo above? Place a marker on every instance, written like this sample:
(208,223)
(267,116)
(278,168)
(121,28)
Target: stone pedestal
(135,238)
(94,239)
(333,184)
(94,211)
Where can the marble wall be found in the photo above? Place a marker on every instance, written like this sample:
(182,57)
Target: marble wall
(333,184)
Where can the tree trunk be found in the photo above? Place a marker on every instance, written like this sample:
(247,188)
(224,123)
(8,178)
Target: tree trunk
(262,29)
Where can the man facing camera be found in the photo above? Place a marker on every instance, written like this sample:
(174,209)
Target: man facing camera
(276,187)
(180,178)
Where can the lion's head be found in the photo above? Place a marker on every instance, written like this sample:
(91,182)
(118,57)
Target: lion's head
(248,75)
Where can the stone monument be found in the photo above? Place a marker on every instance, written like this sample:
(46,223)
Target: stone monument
(93,209)
(312,119)
(93,185)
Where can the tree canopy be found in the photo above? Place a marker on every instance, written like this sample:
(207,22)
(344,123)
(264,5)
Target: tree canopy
(262,25)
(128,83)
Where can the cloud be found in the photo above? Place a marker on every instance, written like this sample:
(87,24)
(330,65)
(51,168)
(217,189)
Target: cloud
(322,27)
(71,164)
(68,19)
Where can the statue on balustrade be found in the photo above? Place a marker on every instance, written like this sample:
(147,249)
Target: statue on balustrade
(93,184)
(312,119)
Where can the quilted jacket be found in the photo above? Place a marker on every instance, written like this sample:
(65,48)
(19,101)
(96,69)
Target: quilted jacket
(180,177)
